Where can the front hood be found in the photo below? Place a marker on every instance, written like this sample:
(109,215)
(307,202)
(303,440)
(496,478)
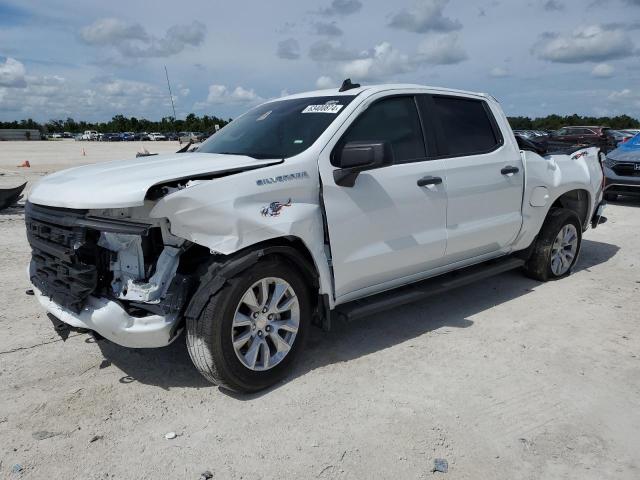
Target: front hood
(124,183)
(624,155)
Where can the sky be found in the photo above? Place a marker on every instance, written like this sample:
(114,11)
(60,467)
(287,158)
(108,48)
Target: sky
(93,60)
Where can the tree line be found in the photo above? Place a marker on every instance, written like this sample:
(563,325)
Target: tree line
(206,123)
(554,122)
(120,123)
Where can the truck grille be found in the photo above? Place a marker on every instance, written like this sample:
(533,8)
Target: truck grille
(626,169)
(64,255)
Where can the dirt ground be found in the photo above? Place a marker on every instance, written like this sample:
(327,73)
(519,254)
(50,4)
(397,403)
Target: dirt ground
(505,379)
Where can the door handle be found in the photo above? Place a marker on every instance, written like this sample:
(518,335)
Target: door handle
(424,181)
(509,169)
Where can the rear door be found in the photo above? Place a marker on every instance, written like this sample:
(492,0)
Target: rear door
(386,228)
(484,176)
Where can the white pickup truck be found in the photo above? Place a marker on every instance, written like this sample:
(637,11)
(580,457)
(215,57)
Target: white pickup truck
(334,203)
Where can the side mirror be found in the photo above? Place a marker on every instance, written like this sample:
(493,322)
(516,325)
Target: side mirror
(356,157)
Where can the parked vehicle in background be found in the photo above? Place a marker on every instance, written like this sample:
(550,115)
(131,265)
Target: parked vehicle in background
(318,204)
(127,136)
(172,136)
(589,135)
(531,134)
(185,137)
(111,137)
(156,136)
(617,137)
(141,136)
(55,135)
(90,135)
(622,170)
(605,138)
(193,137)
(67,135)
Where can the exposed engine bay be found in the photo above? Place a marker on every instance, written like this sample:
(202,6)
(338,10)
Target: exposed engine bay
(79,254)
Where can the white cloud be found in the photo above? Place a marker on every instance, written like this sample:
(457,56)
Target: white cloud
(602,70)
(288,49)
(327,29)
(499,72)
(331,51)
(324,82)
(441,49)
(242,95)
(593,43)
(12,74)
(425,16)
(381,62)
(112,30)
(132,40)
(53,96)
(553,6)
(384,61)
(220,94)
(626,97)
(342,7)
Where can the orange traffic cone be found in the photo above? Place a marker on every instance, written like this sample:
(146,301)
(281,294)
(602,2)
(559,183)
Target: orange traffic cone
(25,164)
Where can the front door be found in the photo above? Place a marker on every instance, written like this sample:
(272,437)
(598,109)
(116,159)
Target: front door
(386,228)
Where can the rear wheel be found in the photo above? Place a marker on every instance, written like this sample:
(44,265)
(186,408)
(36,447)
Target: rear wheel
(250,332)
(557,246)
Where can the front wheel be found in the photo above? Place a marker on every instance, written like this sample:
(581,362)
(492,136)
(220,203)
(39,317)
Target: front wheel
(250,332)
(557,246)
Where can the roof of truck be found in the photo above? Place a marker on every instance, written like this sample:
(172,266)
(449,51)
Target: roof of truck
(332,92)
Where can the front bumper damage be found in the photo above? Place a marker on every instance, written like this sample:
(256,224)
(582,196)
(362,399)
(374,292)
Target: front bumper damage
(115,276)
(107,318)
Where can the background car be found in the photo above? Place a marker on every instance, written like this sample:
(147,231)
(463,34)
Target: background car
(618,137)
(111,137)
(622,170)
(584,135)
(156,136)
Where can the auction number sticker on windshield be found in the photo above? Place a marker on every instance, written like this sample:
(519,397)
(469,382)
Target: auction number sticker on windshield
(326,108)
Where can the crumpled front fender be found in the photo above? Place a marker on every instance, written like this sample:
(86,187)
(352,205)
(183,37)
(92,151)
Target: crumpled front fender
(229,214)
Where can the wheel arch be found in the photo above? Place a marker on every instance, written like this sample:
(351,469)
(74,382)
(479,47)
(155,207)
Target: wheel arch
(216,269)
(578,200)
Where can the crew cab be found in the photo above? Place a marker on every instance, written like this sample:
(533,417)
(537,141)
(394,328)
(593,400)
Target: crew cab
(315,206)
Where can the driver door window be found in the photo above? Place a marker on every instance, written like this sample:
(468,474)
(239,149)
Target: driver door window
(394,120)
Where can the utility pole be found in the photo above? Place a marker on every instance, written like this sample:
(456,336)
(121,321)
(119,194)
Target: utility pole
(170,94)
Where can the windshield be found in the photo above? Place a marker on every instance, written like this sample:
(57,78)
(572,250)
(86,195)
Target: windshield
(278,129)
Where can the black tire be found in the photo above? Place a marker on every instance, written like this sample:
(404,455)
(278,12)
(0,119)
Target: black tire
(610,197)
(538,266)
(209,336)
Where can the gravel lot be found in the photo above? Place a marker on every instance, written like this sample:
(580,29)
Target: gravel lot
(505,379)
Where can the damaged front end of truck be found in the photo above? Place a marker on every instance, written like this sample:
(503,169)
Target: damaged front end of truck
(113,271)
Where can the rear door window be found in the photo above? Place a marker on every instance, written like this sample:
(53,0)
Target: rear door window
(466,126)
